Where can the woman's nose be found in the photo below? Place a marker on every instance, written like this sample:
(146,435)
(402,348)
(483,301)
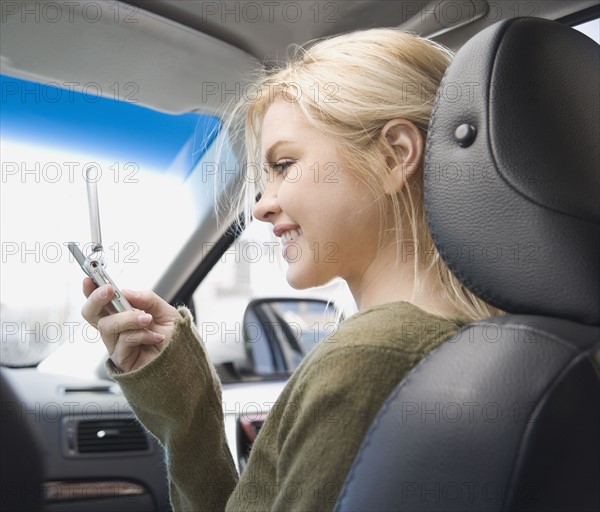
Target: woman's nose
(267,206)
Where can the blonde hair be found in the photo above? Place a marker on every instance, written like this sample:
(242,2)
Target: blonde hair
(349,87)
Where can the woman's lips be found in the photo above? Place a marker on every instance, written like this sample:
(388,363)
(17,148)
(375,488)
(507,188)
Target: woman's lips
(283,227)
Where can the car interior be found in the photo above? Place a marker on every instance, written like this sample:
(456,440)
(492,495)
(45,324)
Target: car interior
(503,416)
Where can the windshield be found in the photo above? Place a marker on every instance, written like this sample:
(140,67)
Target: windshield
(141,160)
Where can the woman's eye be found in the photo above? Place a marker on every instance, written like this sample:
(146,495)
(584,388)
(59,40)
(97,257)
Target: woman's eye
(281,167)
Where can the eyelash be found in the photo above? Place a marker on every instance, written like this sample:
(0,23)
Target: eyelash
(281,167)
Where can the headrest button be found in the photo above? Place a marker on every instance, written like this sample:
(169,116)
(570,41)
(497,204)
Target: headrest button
(465,135)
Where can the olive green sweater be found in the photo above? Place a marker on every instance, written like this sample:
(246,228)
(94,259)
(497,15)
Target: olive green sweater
(305,449)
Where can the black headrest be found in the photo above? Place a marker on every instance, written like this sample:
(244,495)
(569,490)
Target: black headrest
(512,169)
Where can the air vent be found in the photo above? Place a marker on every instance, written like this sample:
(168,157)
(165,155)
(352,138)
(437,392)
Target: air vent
(103,390)
(104,436)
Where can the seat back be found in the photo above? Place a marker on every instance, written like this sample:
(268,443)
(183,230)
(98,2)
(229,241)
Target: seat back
(505,415)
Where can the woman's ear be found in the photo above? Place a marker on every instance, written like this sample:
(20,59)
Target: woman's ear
(404,149)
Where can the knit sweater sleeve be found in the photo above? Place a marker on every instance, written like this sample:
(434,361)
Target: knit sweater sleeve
(177,397)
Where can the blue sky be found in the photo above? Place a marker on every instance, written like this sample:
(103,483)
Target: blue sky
(87,123)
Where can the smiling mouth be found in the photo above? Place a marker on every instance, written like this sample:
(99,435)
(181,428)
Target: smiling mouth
(290,235)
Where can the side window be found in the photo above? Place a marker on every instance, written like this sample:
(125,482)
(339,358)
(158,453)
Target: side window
(591,29)
(50,135)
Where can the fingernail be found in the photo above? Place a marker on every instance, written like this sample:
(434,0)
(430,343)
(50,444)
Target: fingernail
(159,337)
(145,319)
(103,292)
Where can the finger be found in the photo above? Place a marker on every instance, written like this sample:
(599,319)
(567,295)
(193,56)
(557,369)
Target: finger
(93,308)
(134,348)
(152,303)
(145,300)
(111,327)
(133,351)
(88,286)
(140,337)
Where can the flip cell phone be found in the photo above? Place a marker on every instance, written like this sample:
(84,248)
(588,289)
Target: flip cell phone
(93,264)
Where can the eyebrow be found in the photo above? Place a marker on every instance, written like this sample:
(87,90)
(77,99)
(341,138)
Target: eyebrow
(274,147)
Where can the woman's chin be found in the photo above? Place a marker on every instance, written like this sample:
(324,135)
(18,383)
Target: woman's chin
(300,278)
(297,280)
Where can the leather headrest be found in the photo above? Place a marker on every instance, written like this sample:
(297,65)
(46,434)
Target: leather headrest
(512,169)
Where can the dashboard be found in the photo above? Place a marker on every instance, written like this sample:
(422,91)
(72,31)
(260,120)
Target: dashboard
(94,453)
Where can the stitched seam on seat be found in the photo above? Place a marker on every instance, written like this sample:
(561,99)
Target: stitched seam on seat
(522,327)
(435,238)
(382,413)
(456,271)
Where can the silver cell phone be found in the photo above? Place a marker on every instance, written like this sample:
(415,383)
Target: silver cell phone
(93,264)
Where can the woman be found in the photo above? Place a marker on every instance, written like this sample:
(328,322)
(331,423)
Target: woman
(339,132)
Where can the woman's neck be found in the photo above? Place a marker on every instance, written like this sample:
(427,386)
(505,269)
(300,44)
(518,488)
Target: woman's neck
(388,280)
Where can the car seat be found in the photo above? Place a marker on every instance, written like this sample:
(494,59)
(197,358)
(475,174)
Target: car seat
(506,414)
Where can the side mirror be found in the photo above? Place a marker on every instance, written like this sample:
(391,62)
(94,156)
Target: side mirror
(279,332)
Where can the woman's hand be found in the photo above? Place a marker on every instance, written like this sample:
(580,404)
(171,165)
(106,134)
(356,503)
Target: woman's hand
(132,338)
